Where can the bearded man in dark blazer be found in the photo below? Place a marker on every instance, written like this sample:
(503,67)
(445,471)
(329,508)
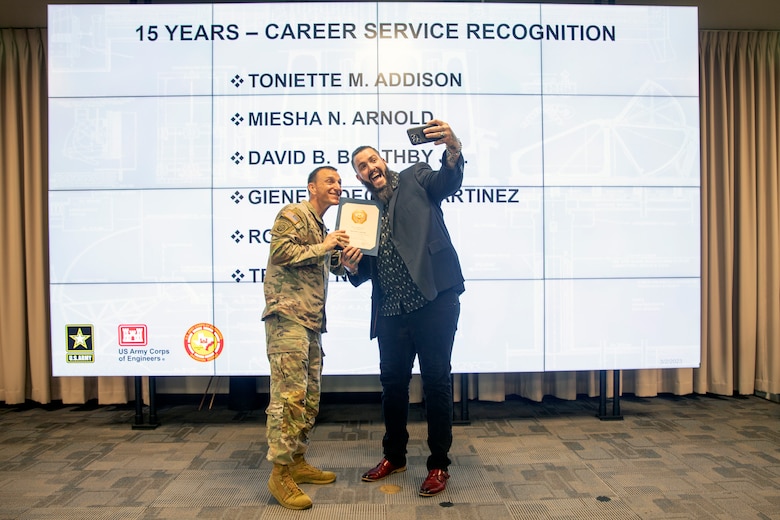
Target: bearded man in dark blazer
(415,300)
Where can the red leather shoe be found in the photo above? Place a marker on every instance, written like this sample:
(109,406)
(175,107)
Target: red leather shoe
(381,470)
(434,483)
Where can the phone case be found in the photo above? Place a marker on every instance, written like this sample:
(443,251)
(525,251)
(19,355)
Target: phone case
(416,135)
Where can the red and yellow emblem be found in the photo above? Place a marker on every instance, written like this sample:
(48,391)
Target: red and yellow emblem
(203,342)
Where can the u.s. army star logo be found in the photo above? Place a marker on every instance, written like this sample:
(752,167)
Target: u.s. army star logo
(79,341)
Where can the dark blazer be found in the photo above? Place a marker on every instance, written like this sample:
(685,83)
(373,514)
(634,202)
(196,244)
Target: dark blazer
(418,231)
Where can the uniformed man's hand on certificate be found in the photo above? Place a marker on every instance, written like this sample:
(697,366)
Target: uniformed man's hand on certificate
(336,240)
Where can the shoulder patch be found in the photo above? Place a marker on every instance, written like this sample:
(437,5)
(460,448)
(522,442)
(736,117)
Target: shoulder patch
(291,215)
(281,226)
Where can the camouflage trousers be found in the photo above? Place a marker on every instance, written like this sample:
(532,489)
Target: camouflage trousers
(295,356)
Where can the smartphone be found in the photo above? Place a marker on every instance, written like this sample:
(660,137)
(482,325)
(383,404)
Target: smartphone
(416,135)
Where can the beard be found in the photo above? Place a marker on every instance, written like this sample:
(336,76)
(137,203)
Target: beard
(385,193)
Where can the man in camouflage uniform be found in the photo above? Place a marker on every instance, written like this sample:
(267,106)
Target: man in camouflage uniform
(301,256)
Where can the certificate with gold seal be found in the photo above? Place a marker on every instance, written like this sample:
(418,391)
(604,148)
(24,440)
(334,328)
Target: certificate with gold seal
(361,219)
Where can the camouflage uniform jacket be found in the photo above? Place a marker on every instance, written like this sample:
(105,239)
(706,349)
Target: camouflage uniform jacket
(296,279)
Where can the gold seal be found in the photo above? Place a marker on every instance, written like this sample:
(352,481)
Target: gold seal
(359,216)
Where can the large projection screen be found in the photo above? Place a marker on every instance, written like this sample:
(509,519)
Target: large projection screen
(177,132)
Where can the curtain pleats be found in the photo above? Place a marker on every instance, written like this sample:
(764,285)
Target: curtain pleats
(24,350)
(740,167)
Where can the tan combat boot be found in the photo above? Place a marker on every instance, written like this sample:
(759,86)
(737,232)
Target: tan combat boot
(304,473)
(285,490)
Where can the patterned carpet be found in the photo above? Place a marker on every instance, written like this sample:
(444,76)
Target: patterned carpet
(670,457)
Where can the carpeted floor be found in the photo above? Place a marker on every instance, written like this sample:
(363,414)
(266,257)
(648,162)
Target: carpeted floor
(670,457)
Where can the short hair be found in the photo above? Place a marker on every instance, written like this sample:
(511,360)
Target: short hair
(360,149)
(313,174)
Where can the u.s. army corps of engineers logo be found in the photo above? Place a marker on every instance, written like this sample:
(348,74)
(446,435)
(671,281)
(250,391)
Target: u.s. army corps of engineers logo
(80,344)
(203,342)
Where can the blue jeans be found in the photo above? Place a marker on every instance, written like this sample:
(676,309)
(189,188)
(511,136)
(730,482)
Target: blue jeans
(427,333)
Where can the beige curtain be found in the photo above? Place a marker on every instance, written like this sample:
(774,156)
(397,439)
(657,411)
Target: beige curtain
(24,357)
(25,364)
(740,89)
(740,78)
